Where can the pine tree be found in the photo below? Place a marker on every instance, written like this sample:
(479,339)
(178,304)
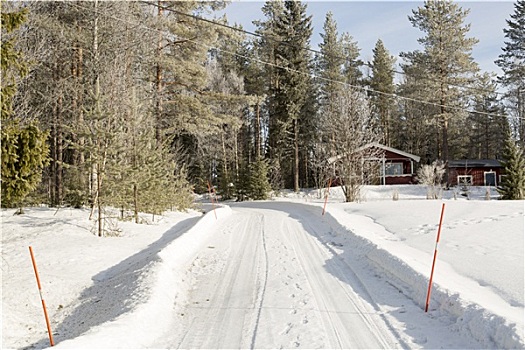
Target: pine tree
(382,84)
(512,185)
(227,102)
(255,117)
(512,62)
(417,130)
(446,62)
(55,91)
(487,127)
(180,106)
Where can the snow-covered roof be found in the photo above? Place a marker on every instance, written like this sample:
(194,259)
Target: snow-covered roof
(383,147)
(391,149)
(475,163)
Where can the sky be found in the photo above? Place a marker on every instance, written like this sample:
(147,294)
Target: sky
(368,21)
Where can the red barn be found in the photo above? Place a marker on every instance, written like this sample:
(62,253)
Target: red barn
(475,172)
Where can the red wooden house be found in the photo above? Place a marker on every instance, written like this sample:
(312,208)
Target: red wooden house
(474,172)
(396,167)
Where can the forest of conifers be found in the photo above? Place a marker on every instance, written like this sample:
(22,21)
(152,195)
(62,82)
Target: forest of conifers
(140,104)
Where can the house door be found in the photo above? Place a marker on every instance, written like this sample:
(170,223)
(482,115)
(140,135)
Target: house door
(490,178)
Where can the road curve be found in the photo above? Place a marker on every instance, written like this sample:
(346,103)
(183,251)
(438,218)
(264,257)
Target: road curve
(266,280)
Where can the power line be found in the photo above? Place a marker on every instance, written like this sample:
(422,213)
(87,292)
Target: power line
(363,88)
(367,64)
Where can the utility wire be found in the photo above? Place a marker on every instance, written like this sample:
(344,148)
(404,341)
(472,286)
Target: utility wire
(318,52)
(363,88)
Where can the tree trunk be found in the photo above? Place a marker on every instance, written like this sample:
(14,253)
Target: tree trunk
(136,203)
(296,153)
(94,158)
(258,130)
(59,154)
(78,155)
(521,117)
(158,83)
(225,176)
(56,143)
(99,204)
(445,139)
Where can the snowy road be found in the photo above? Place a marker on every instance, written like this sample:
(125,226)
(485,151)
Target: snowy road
(266,280)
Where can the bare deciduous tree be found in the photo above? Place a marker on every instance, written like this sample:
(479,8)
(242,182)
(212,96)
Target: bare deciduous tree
(349,135)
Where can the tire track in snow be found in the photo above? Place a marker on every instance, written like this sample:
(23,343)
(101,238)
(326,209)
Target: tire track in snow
(225,298)
(262,291)
(276,288)
(349,275)
(328,326)
(341,286)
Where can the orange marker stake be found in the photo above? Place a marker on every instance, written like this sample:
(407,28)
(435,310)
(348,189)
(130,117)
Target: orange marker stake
(42,298)
(434,261)
(327,193)
(211,197)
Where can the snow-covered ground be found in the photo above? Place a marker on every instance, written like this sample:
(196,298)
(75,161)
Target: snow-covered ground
(125,292)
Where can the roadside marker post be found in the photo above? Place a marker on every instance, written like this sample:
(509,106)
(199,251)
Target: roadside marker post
(434,260)
(211,197)
(326,196)
(41,297)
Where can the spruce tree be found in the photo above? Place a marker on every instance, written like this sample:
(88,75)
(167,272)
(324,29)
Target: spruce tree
(24,148)
(329,64)
(24,155)
(351,70)
(294,28)
(13,64)
(382,84)
(258,185)
(512,185)
(512,62)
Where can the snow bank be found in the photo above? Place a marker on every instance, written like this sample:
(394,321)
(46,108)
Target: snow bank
(408,268)
(371,193)
(161,286)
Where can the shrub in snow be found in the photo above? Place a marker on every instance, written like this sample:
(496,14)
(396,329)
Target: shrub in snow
(395,195)
(432,176)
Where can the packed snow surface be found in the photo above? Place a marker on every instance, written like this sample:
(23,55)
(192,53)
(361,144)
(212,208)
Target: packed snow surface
(272,274)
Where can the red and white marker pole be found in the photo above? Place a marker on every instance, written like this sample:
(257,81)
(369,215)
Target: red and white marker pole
(327,193)
(41,297)
(434,261)
(211,197)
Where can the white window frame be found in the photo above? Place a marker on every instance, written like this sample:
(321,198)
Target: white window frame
(467,183)
(393,165)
